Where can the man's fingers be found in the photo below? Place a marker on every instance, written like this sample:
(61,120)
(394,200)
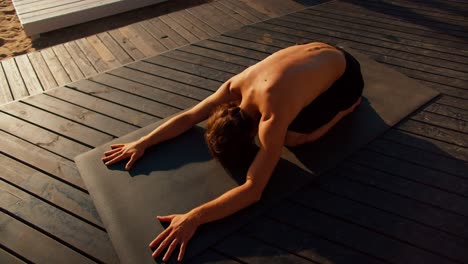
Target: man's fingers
(112,151)
(116,159)
(160,237)
(117,146)
(163,245)
(181,251)
(166,218)
(111,156)
(170,250)
(130,162)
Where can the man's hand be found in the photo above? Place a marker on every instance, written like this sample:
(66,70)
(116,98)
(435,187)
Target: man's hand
(179,232)
(118,152)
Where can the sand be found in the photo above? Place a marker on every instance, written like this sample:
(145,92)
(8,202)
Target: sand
(13,40)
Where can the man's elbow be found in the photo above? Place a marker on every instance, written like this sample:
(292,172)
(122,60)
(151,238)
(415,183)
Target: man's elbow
(254,193)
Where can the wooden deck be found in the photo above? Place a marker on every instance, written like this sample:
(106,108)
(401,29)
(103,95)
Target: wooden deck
(41,16)
(56,66)
(401,199)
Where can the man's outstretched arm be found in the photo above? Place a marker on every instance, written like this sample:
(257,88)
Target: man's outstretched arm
(170,129)
(183,226)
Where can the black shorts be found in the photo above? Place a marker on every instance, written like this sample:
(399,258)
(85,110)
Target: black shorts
(340,96)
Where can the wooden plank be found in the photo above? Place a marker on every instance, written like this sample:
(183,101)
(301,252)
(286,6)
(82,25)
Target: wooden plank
(453,101)
(246,44)
(416,173)
(423,71)
(445,225)
(438,24)
(89,239)
(5,92)
(19,237)
(126,44)
(253,251)
(427,144)
(447,111)
(104,53)
(304,244)
(162,83)
(377,24)
(103,107)
(438,133)
(135,102)
(56,68)
(260,37)
(192,28)
(136,41)
(232,13)
(6,257)
(351,235)
(17,86)
(381,15)
(446,89)
(29,75)
(434,161)
(42,70)
(80,59)
(42,160)
(371,39)
(243,5)
(49,189)
(114,48)
(146,91)
(440,245)
(212,257)
(219,55)
(81,115)
(40,137)
(191,68)
(220,21)
(145,36)
(442,121)
(365,44)
(189,36)
(274,8)
(416,13)
(159,35)
(98,63)
(426,195)
(198,23)
(247,17)
(175,75)
(448,10)
(171,34)
(85,135)
(68,63)
(379,33)
(234,50)
(204,61)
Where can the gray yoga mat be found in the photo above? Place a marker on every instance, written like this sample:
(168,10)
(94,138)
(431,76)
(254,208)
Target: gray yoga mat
(178,175)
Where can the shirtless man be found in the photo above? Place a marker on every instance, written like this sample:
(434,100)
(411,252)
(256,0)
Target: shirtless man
(292,97)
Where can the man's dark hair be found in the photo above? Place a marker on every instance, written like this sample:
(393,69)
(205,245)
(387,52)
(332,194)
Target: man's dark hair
(229,133)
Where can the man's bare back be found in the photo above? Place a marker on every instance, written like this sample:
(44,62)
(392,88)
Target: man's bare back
(288,80)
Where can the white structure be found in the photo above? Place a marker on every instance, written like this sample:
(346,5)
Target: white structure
(39,16)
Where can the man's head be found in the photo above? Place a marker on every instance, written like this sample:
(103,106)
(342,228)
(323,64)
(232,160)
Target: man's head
(229,133)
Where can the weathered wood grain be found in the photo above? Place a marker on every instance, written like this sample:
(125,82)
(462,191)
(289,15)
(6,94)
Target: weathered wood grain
(29,75)
(42,70)
(14,79)
(19,237)
(78,234)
